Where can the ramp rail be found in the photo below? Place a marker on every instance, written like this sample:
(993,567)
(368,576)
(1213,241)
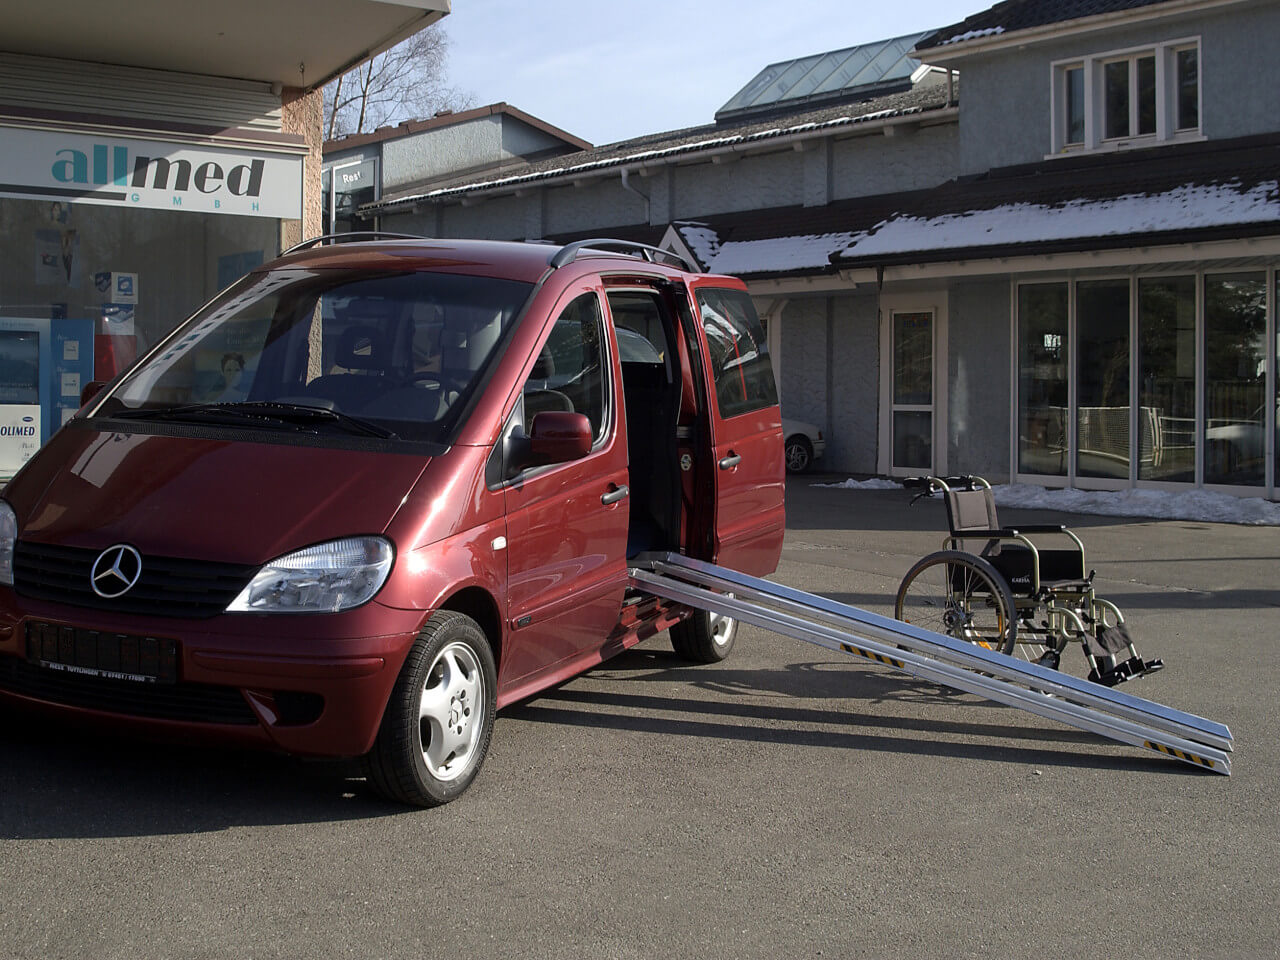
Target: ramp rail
(937,658)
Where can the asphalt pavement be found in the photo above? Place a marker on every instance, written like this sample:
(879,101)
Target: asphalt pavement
(788,802)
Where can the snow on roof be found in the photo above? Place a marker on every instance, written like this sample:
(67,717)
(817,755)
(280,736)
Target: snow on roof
(702,241)
(1189,207)
(1198,505)
(972,35)
(779,254)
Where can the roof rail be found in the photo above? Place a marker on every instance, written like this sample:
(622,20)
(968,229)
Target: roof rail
(351,238)
(569,252)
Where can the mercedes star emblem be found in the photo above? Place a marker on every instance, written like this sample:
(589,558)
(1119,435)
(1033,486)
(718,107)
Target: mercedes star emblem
(115,571)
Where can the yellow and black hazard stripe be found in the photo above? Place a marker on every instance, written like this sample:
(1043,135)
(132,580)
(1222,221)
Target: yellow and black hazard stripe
(1180,754)
(848,648)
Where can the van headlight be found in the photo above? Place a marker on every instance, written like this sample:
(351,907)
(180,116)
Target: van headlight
(8,536)
(326,578)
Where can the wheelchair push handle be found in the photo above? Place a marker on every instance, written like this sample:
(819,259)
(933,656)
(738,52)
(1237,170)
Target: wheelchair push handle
(928,486)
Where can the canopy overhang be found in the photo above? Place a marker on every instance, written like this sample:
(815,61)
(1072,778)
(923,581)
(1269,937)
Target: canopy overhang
(295,43)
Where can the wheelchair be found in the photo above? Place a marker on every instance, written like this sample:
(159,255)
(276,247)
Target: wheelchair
(1022,598)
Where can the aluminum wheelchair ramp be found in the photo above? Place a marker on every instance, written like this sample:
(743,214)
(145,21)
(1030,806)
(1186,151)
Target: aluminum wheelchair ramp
(937,658)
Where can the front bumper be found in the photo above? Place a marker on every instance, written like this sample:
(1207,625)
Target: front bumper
(308,685)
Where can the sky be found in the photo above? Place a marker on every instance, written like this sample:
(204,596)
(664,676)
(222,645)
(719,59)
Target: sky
(609,70)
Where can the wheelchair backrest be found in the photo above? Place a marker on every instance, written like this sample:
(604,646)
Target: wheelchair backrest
(971,511)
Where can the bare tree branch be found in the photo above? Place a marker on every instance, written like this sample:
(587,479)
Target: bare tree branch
(406,82)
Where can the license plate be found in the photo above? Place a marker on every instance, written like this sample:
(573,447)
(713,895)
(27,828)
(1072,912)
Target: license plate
(98,653)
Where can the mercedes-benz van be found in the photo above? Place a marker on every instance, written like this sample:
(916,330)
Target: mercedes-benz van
(378,489)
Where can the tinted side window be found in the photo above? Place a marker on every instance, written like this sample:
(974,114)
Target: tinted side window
(569,373)
(738,352)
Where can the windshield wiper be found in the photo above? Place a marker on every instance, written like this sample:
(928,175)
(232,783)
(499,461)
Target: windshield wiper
(261,411)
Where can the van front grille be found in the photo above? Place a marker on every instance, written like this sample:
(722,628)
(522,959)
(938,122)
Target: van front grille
(167,587)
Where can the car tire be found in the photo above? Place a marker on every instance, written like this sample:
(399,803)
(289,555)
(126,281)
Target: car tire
(435,731)
(799,452)
(704,637)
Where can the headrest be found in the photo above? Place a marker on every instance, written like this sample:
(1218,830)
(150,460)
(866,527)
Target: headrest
(545,366)
(360,348)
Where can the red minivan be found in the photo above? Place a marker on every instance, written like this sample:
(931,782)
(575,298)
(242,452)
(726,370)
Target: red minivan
(380,488)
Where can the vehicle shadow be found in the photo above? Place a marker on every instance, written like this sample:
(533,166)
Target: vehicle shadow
(60,781)
(657,711)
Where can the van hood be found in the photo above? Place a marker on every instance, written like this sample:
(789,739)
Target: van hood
(224,501)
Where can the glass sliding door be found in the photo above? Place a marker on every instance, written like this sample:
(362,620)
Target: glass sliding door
(1042,379)
(912,412)
(1102,375)
(1167,379)
(1235,351)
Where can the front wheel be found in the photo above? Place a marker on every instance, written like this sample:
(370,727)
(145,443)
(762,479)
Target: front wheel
(960,595)
(705,637)
(436,728)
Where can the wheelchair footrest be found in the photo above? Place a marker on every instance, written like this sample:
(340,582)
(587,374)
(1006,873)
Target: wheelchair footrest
(1133,667)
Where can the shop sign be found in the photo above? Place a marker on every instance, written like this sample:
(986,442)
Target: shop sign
(151,174)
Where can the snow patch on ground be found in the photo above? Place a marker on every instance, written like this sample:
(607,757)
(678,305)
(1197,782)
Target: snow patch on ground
(1198,505)
(1161,504)
(873,484)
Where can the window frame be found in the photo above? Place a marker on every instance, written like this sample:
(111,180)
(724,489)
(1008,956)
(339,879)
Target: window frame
(604,432)
(1201,337)
(1093,72)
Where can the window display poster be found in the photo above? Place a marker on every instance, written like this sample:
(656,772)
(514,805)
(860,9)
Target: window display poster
(71,359)
(20,433)
(58,258)
(19,436)
(117,287)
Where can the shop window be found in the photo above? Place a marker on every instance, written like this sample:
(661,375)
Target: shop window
(1235,325)
(1042,379)
(1199,410)
(1134,97)
(1102,376)
(1167,379)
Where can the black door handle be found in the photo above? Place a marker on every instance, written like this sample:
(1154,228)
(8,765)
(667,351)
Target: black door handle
(616,494)
(732,460)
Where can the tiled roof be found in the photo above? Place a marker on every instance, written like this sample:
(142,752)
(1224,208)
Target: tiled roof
(1200,191)
(1023,15)
(656,147)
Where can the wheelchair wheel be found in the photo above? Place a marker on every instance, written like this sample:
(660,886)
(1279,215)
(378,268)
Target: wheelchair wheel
(960,595)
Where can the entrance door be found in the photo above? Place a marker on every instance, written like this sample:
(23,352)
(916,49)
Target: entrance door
(913,388)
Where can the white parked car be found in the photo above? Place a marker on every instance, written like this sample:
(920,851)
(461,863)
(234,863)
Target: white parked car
(804,444)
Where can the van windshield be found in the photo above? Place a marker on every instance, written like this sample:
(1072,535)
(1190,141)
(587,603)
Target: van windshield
(393,355)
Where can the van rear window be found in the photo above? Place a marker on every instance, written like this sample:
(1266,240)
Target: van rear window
(738,350)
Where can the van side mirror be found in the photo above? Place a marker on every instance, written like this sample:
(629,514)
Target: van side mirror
(557,436)
(91,390)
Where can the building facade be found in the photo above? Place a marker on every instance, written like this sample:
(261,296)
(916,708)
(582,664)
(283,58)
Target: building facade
(1048,255)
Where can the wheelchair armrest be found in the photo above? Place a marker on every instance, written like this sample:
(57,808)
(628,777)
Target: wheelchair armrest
(1004,533)
(1042,528)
